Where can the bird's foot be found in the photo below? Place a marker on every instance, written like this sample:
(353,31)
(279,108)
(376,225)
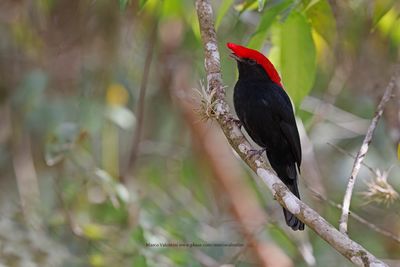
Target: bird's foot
(252,152)
(236,121)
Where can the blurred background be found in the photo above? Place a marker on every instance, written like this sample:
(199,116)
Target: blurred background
(106,153)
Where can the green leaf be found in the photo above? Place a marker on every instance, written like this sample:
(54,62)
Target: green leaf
(96,260)
(173,8)
(322,19)
(309,3)
(142,3)
(274,54)
(93,231)
(298,57)
(123,4)
(106,213)
(223,8)
(388,22)
(381,7)
(138,235)
(395,34)
(179,257)
(246,5)
(269,16)
(139,261)
(261,4)
(281,239)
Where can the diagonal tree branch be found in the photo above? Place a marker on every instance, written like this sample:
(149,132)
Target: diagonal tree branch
(361,155)
(341,242)
(228,177)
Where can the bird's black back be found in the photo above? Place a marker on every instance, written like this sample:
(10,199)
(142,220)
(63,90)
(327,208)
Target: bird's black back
(266,113)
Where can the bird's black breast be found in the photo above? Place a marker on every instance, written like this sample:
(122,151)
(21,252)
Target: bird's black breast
(267,115)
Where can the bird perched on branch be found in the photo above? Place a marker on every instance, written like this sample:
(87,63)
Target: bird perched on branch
(265,111)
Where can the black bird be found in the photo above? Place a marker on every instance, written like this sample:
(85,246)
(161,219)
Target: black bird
(266,113)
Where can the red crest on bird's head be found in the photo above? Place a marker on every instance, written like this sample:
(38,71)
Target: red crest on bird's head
(244,52)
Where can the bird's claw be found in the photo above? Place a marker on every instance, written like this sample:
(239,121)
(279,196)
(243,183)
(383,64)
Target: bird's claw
(252,152)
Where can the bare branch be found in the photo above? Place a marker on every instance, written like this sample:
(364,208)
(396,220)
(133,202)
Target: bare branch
(343,244)
(341,150)
(142,97)
(25,175)
(361,155)
(357,217)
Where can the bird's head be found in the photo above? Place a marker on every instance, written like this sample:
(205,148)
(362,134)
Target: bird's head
(251,63)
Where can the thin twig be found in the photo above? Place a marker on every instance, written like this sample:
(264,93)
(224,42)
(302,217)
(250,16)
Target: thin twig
(361,155)
(342,243)
(356,217)
(142,96)
(341,150)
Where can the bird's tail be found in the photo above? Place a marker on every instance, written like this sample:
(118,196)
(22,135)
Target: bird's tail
(290,219)
(288,174)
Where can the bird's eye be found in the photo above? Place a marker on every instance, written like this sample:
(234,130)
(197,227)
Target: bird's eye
(251,62)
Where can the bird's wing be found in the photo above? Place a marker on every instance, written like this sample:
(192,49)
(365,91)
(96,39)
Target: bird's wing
(287,123)
(292,136)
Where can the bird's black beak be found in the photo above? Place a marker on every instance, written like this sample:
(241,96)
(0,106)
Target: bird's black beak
(235,57)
